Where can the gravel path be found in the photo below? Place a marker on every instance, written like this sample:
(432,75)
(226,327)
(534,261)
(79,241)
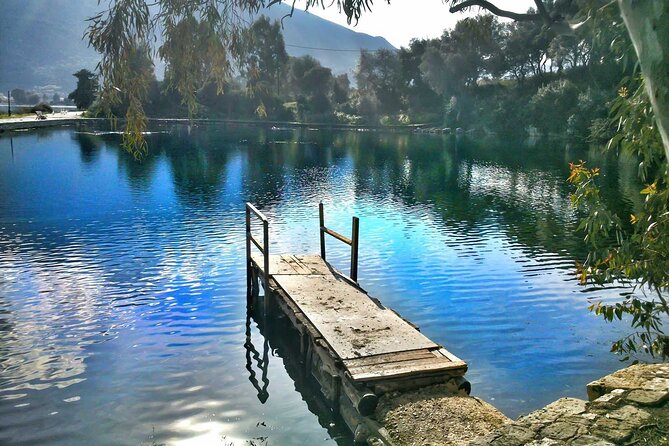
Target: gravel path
(432,416)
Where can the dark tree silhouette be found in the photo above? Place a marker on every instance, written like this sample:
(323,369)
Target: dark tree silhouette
(19,96)
(87,88)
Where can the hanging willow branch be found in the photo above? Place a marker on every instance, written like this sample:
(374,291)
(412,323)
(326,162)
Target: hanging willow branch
(202,41)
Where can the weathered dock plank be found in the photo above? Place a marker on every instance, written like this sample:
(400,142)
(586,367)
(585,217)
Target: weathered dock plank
(281,265)
(405,364)
(373,342)
(350,322)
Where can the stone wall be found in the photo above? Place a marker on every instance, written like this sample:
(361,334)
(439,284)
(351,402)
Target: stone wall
(626,407)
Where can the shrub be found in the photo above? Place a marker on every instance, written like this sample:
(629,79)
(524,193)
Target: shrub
(41,107)
(350,119)
(591,106)
(552,105)
(600,131)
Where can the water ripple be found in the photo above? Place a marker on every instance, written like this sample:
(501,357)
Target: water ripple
(122,284)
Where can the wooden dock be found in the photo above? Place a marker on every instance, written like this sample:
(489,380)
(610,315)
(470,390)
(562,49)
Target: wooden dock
(355,348)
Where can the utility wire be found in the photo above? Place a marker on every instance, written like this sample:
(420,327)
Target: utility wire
(342,50)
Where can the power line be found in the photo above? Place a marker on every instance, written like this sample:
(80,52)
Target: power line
(342,50)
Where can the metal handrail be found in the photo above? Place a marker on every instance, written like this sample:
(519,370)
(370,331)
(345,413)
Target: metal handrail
(262,247)
(255,210)
(352,242)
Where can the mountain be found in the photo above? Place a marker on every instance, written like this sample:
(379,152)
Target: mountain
(335,46)
(41,42)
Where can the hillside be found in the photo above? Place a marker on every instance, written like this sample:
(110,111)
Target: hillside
(308,30)
(42,45)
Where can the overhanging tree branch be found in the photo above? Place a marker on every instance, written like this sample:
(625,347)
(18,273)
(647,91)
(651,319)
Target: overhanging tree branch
(523,17)
(541,9)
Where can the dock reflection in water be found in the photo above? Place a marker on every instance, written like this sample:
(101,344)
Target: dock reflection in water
(281,342)
(262,363)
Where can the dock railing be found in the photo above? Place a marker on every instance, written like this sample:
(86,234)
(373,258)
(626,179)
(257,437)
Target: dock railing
(352,242)
(262,247)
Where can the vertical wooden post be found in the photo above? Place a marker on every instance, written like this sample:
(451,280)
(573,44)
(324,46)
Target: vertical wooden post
(354,248)
(321,220)
(336,382)
(308,356)
(9,103)
(265,236)
(249,280)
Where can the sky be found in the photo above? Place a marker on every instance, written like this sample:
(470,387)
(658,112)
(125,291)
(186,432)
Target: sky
(403,20)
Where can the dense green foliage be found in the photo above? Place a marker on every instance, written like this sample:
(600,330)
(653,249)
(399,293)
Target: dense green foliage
(87,88)
(269,85)
(20,96)
(631,250)
(483,74)
(202,43)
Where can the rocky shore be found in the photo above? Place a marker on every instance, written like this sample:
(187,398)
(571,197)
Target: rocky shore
(628,407)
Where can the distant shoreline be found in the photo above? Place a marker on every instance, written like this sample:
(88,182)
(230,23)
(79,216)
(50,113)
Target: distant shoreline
(18,107)
(29,122)
(52,120)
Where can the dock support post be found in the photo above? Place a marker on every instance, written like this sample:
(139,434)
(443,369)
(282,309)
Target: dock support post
(321,219)
(354,248)
(336,382)
(352,242)
(263,247)
(249,273)
(265,235)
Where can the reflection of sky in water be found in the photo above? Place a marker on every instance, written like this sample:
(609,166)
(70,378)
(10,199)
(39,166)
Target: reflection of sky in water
(39,364)
(122,287)
(534,189)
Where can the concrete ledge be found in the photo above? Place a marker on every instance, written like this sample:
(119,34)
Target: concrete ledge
(31,123)
(26,123)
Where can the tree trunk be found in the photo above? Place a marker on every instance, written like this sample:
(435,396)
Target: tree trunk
(648,24)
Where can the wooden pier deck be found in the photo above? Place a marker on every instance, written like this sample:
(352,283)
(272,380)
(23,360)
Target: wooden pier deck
(356,348)
(371,341)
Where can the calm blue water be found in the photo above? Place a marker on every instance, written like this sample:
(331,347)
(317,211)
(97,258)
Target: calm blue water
(122,283)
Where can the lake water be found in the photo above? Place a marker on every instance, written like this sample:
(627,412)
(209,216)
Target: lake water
(123,291)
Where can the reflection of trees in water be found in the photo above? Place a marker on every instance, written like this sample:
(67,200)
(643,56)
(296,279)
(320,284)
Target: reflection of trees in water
(278,158)
(140,173)
(200,158)
(198,164)
(89,146)
(521,188)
